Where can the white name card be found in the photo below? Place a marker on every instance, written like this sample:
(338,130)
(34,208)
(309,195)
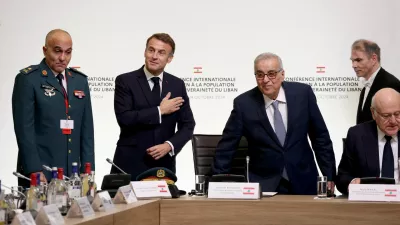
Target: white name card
(374,192)
(102,202)
(49,214)
(2,216)
(150,189)
(23,219)
(80,208)
(233,190)
(125,195)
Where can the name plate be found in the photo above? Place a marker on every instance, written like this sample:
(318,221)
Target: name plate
(125,195)
(23,219)
(374,192)
(49,214)
(102,202)
(2,216)
(150,189)
(232,190)
(80,208)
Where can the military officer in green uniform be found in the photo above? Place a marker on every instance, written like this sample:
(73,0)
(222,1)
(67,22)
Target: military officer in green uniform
(52,112)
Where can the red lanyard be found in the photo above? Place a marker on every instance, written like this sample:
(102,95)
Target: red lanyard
(65,97)
(65,131)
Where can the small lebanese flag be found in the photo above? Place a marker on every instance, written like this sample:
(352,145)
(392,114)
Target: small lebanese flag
(248,191)
(390,192)
(162,188)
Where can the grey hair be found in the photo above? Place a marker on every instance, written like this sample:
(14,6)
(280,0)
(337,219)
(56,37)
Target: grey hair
(368,47)
(266,56)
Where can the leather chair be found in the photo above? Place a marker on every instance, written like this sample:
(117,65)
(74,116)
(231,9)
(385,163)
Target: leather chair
(204,146)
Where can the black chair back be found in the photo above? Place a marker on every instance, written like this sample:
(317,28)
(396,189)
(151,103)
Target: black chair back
(204,146)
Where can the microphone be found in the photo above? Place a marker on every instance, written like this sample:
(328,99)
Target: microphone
(47,168)
(111,162)
(21,176)
(247,167)
(50,170)
(13,189)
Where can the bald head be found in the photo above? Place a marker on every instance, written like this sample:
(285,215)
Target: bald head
(385,109)
(56,34)
(58,50)
(384,97)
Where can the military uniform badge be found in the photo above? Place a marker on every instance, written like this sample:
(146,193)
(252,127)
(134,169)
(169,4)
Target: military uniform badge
(160,173)
(79,94)
(48,90)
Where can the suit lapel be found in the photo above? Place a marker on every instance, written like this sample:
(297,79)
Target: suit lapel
(144,85)
(165,85)
(370,140)
(359,108)
(71,83)
(49,76)
(398,142)
(376,85)
(264,118)
(291,106)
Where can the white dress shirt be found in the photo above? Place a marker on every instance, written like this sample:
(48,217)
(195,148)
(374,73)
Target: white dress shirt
(281,98)
(367,84)
(151,84)
(395,145)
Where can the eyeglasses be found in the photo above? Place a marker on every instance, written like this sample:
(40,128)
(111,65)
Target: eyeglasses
(270,74)
(388,116)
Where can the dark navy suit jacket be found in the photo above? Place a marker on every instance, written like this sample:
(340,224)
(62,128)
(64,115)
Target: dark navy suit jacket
(267,156)
(138,117)
(361,155)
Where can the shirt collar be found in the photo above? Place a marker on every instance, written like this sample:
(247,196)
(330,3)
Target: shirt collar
(381,135)
(55,73)
(368,83)
(280,98)
(150,75)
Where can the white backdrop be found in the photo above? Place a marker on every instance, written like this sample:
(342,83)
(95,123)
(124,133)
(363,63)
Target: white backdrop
(221,37)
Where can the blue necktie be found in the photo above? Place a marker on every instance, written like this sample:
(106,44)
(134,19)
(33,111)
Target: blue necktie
(280,130)
(387,159)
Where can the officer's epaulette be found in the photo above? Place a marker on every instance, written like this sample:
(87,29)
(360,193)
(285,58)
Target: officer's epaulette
(29,69)
(77,71)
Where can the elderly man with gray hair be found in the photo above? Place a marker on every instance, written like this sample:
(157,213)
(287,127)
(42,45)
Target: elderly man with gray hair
(372,148)
(277,118)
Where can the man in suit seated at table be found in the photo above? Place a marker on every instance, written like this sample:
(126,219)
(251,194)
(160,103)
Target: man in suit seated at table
(277,117)
(372,148)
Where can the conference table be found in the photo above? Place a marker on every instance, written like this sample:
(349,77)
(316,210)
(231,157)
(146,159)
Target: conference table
(280,209)
(145,212)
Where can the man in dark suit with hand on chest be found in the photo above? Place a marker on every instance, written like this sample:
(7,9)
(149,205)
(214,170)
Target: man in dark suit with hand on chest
(149,104)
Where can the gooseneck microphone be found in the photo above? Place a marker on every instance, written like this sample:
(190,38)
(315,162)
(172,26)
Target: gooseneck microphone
(21,176)
(47,168)
(111,162)
(247,168)
(13,189)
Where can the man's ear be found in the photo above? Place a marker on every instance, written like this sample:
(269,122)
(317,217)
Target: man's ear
(170,58)
(44,50)
(373,113)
